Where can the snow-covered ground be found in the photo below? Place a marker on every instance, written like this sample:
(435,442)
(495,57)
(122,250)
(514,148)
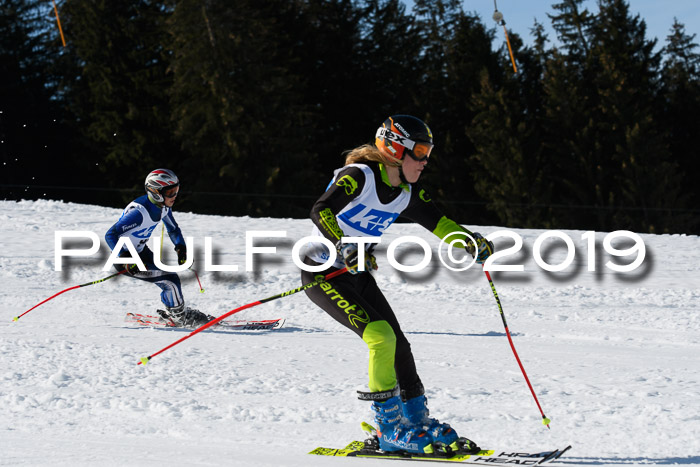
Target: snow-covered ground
(613,357)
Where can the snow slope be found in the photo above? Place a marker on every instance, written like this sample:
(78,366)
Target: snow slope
(614,357)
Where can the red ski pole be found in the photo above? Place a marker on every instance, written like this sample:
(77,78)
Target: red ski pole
(545,420)
(201,289)
(330,276)
(66,290)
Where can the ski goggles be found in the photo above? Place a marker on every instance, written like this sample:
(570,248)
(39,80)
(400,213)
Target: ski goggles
(418,151)
(170,192)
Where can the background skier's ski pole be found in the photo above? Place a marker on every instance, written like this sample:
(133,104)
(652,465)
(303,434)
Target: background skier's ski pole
(201,289)
(545,420)
(330,276)
(162,236)
(66,290)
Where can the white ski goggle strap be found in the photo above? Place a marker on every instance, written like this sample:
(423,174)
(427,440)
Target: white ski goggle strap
(395,137)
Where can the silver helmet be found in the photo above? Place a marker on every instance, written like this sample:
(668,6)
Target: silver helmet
(158,180)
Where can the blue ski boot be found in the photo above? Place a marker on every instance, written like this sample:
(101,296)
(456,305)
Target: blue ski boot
(394,433)
(416,411)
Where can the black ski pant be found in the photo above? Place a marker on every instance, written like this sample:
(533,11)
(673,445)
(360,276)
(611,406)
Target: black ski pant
(356,302)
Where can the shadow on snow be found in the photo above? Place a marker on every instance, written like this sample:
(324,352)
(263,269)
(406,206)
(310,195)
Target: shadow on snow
(485,334)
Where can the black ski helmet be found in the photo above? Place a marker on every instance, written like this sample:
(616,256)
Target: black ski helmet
(403,134)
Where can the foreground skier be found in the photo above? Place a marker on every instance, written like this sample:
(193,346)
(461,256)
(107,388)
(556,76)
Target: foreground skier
(377,184)
(137,222)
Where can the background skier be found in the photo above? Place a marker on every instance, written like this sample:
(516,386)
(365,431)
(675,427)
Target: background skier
(137,222)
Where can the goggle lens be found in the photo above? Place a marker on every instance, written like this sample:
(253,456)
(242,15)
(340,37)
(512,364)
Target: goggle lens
(171,192)
(421,152)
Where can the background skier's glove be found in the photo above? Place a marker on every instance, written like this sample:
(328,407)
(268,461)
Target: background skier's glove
(181,253)
(349,254)
(131,269)
(483,250)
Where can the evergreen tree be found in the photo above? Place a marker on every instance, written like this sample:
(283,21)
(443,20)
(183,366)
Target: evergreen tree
(336,83)
(32,138)
(388,63)
(511,165)
(436,23)
(468,56)
(389,51)
(601,121)
(259,99)
(572,24)
(626,82)
(681,99)
(455,49)
(115,85)
(237,108)
(567,133)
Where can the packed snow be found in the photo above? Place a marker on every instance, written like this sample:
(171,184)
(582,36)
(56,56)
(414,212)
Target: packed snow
(614,357)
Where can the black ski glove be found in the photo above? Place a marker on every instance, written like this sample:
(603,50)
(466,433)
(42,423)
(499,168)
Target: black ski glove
(132,268)
(181,253)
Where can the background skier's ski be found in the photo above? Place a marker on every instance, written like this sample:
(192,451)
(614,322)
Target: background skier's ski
(245,325)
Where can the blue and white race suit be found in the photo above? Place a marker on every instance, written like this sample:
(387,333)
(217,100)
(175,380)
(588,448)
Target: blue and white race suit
(137,222)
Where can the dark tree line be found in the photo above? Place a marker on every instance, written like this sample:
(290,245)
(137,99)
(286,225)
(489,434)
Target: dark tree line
(253,103)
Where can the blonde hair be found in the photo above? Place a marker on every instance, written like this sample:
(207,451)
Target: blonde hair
(368,153)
